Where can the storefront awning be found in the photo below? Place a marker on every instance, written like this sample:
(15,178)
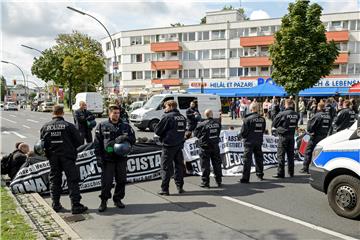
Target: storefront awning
(313,92)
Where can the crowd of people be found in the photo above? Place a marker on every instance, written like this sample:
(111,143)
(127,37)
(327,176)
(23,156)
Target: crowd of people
(114,137)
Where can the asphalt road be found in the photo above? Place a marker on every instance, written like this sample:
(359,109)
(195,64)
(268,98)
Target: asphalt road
(272,209)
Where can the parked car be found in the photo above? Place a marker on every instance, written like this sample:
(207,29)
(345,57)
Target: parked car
(46,107)
(135,105)
(10,106)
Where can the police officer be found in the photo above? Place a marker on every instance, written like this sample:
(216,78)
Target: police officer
(345,118)
(318,128)
(171,130)
(61,139)
(107,134)
(286,123)
(252,132)
(82,117)
(193,116)
(329,109)
(208,133)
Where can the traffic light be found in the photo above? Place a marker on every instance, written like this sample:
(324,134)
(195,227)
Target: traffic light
(14,82)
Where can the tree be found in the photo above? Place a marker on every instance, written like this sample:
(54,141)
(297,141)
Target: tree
(301,54)
(3,88)
(203,20)
(75,62)
(32,96)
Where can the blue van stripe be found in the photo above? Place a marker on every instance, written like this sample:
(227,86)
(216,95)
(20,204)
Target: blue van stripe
(325,157)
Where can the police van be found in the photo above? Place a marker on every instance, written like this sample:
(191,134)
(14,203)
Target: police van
(335,170)
(149,115)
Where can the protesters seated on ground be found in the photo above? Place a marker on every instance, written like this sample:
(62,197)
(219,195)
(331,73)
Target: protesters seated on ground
(18,159)
(33,158)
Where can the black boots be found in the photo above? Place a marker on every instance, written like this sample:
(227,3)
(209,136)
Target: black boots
(78,208)
(180,190)
(163,192)
(205,185)
(119,204)
(103,206)
(56,205)
(304,170)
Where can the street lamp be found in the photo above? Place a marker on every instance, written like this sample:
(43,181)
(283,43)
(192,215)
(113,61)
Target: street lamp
(115,65)
(25,46)
(7,62)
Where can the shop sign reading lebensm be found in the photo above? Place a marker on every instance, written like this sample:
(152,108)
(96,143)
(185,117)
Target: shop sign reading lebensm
(336,82)
(224,83)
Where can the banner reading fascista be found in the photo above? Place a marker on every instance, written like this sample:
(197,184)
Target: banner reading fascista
(143,164)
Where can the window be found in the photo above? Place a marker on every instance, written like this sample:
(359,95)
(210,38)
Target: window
(114,42)
(336,24)
(202,36)
(119,42)
(108,46)
(173,54)
(110,77)
(205,73)
(218,54)
(234,33)
(218,72)
(191,73)
(203,54)
(253,31)
(357,68)
(147,57)
(217,35)
(136,58)
(234,53)
(264,51)
(233,72)
(192,36)
(345,24)
(148,74)
(351,46)
(147,39)
(358,25)
(135,40)
(137,75)
(184,102)
(343,68)
(351,69)
(189,56)
(188,36)
(119,59)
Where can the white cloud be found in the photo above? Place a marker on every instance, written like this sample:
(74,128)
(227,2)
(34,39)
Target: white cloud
(333,6)
(259,14)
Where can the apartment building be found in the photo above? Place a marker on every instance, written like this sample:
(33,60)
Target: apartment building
(227,52)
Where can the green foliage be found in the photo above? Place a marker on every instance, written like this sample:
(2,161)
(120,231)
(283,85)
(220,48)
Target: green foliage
(177,24)
(203,20)
(32,96)
(76,62)
(2,88)
(13,225)
(301,54)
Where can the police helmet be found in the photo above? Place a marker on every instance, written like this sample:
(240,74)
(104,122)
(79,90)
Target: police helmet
(197,116)
(122,149)
(39,148)
(91,124)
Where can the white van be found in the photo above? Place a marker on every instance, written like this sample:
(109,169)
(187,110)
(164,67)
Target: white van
(335,170)
(93,101)
(149,115)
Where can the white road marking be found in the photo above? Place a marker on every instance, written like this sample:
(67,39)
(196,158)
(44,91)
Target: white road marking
(44,118)
(30,120)
(291,219)
(8,120)
(5,132)
(26,126)
(18,134)
(12,115)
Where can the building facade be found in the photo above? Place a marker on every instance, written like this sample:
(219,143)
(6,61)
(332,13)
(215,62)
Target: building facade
(225,51)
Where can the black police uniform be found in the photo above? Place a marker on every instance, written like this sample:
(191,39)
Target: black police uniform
(208,133)
(61,139)
(318,128)
(171,130)
(112,165)
(345,119)
(252,132)
(286,123)
(81,117)
(191,119)
(329,109)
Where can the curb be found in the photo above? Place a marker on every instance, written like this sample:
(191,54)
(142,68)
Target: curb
(69,231)
(27,219)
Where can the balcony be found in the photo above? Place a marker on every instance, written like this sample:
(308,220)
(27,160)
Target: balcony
(165,46)
(167,82)
(166,65)
(342,58)
(254,61)
(339,36)
(256,41)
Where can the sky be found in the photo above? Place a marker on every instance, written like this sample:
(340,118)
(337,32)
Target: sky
(37,23)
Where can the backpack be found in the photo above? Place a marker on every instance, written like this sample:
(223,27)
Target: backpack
(5,163)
